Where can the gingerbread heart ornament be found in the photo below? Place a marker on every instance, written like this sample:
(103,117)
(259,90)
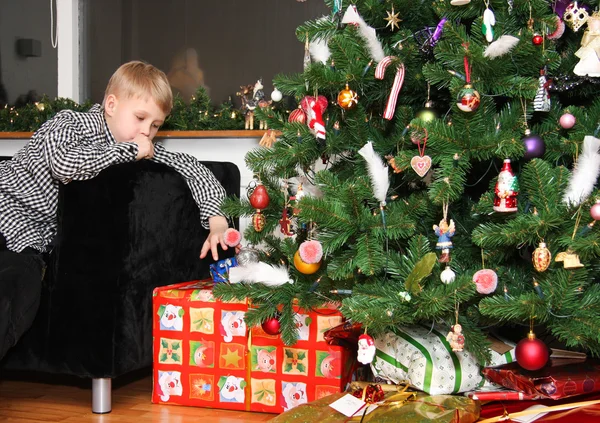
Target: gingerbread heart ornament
(421,165)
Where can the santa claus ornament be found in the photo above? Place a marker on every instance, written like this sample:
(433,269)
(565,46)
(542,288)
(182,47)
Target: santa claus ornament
(366,349)
(468,97)
(506,190)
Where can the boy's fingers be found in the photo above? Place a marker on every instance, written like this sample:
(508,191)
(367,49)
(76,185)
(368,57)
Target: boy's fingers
(205,248)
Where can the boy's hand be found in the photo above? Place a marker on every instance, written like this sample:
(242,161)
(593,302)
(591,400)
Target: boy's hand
(145,147)
(218,225)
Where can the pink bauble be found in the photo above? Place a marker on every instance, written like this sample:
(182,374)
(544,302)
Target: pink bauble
(232,237)
(311,251)
(486,281)
(595,211)
(567,121)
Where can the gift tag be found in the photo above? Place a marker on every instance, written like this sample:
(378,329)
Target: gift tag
(348,405)
(531,417)
(421,165)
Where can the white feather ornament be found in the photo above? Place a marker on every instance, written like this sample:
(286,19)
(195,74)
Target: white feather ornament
(260,272)
(378,171)
(501,46)
(585,172)
(366,32)
(319,50)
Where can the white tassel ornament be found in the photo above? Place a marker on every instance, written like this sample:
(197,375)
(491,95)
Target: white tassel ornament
(585,172)
(378,171)
(501,46)
(366,32)
(319,51)
(260,272)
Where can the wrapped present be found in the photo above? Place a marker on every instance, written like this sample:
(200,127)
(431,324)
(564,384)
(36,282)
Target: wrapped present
(551,382)
(424,357)
(583,409)
(204,355)
(220,270)
(406,407)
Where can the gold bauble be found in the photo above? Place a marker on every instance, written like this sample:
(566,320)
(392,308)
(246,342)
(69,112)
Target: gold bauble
(541,257)
(303,267)
(258,221)
(347,99)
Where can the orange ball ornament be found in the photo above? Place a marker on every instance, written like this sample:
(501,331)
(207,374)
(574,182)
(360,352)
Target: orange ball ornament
(306,268)
(347,99)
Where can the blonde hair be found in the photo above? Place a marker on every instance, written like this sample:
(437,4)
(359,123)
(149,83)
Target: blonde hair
(140,79)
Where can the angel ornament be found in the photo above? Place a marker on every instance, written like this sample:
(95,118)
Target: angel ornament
(589,53)
(455,338)
(445,232)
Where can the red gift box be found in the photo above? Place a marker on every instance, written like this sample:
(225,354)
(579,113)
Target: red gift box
(205,356)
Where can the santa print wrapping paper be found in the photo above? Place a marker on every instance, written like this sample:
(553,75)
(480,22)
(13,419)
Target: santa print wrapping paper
(205,356)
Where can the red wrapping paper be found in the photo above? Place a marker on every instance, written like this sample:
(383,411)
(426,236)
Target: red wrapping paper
(590,414)
(551,382)
(205,356)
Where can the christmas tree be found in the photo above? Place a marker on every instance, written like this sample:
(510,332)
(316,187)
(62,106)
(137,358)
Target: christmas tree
(440,169)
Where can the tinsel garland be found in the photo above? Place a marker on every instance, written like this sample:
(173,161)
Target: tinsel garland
(199,114)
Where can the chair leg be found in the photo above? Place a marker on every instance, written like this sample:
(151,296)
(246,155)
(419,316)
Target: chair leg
(101,395)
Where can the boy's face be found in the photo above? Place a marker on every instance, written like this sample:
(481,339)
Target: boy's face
(130,118)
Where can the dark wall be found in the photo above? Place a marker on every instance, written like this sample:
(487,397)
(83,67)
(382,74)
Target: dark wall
(236,41)
(18,75)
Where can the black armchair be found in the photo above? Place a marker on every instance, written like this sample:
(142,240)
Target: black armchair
(132,228)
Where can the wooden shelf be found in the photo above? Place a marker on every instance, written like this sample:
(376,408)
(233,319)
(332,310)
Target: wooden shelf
(167,134)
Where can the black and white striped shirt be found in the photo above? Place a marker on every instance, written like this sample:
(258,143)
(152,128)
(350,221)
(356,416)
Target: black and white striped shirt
(77,146)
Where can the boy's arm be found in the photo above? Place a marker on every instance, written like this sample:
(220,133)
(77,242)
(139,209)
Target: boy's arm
(72,157)
(206,189)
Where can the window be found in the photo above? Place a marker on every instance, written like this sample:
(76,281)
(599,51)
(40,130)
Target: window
(221,44)
(28,67)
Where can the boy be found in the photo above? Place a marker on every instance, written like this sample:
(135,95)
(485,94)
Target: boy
(77,146)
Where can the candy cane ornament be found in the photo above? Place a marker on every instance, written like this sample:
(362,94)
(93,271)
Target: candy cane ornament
(314,108)
(396,87)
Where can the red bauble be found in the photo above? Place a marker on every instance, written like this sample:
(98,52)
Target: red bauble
(297,115)
(537,40)
(271,326)
(259,199)
(531,353)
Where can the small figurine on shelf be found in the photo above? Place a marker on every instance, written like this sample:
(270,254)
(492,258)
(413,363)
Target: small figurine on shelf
(258,96)
(507,189)
(456,338)
(444,232)
(248,105)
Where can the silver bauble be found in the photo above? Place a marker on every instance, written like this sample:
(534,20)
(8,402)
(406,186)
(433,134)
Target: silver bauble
(247,256)
(448,275)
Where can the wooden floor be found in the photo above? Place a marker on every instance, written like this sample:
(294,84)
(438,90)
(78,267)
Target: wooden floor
(31,399)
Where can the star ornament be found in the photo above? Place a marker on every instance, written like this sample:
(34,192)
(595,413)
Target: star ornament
(393,19)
